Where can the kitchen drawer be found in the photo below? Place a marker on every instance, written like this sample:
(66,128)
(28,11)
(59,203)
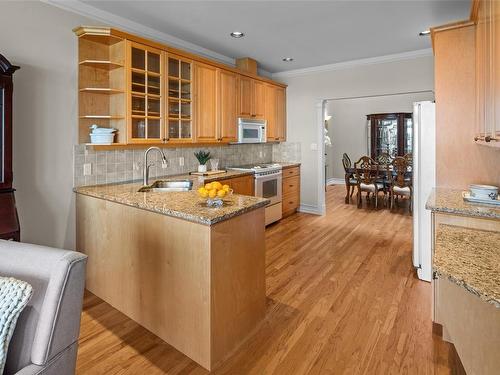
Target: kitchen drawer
(291,184)
(289,172)
(290,203)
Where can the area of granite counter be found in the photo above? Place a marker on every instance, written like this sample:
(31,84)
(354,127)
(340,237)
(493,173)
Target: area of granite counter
(450,201)
(183,205)
(471,259)
(287,164)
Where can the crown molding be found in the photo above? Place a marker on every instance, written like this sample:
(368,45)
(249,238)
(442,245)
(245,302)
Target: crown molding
(133,27)
(354,63)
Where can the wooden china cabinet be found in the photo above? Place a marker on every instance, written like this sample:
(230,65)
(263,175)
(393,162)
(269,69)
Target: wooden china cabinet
(9,222)
(390,133)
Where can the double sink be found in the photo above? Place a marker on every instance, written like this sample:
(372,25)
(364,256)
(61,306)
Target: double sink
(166,186)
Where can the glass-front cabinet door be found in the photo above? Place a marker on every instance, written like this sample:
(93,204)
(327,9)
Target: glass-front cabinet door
(390,133)
(146,95)
(179,102)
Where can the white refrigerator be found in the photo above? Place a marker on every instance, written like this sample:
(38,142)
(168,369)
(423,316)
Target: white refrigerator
(424,179)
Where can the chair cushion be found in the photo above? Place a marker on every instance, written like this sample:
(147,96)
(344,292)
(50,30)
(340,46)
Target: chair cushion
(14,296)
(371,187)
(402,190)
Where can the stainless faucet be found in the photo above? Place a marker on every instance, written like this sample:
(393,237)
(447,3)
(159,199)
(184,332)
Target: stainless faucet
(145,171)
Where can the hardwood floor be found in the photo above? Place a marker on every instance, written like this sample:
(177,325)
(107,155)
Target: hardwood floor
(342,299)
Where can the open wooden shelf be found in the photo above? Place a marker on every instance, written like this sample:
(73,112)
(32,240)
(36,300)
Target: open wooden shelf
(102,90)
(101,64)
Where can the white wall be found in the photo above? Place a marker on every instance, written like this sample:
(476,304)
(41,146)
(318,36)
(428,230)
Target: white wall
(306,90)
(348,127)
(39,38)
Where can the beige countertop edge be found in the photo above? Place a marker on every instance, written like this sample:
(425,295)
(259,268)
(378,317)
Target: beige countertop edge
(288,164)
(450,201)
(177,213)
(470,259)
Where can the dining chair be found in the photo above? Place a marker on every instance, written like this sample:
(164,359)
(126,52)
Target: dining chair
(350,181)
(409,158)
(367,173)
(400,180)
(383,159)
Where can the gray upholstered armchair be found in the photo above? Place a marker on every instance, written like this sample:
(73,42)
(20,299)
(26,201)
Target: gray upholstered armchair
(45,340)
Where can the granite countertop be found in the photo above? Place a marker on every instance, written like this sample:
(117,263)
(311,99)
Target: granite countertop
(184,205)
(287,164)
(471,259)
(451,201)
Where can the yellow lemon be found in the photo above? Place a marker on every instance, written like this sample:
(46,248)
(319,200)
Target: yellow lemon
(221,193)
(208,186)
(201,189)
(212,193)
(203,193)
(226,187)
(216,185)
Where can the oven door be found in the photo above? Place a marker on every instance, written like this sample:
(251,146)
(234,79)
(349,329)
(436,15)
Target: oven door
(269,187)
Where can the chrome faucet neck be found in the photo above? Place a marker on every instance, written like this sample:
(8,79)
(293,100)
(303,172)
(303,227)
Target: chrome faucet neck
(145,170)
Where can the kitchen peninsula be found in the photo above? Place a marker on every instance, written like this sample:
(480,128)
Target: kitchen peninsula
(192,275)
(466,282)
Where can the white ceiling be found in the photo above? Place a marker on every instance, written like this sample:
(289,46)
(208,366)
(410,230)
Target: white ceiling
(312,32)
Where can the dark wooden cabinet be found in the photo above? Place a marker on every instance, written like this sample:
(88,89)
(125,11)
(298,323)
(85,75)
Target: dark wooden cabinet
(390,133)
(9,222)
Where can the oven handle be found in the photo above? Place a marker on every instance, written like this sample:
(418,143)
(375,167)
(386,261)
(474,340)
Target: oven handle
(269,176)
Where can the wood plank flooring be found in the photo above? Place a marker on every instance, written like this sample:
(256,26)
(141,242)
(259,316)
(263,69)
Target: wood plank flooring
(342,299)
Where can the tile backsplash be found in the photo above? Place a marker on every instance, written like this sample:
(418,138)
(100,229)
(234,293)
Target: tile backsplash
(126,165)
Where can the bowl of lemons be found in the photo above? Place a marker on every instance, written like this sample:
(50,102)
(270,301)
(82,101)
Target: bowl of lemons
(214,193)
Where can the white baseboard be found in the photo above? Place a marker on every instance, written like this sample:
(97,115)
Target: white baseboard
(310,209)
(335,181)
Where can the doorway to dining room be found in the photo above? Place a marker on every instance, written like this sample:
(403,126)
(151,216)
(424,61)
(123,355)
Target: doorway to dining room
(368,154)
(350,132)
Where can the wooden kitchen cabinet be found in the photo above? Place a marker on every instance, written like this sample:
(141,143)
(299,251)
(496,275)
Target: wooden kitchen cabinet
(251,98)
(275,113)
(206,103)
(154,94)
(228,106)
(487,74)
(291,190)
(179,123)
(145,97)
(243,185)
(280,113)
(259,99)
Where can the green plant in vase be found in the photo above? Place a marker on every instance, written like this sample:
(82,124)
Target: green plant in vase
(203,158)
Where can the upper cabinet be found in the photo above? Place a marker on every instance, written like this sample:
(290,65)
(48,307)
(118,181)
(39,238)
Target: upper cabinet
(275,112)
(228,106)
(252,98)
(154,94)
(179,128)
(488,73)
(145,94)
(206,103)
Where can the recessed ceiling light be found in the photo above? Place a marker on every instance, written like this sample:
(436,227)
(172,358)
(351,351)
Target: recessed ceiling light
(424,33)
(237,34)
(288,59)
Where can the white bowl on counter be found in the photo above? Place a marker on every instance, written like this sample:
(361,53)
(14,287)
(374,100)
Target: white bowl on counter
(483,191)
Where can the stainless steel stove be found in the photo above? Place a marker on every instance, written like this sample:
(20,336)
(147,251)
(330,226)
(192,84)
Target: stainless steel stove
(268,178)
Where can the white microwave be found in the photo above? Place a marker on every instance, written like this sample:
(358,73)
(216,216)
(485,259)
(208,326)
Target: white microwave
(251,130)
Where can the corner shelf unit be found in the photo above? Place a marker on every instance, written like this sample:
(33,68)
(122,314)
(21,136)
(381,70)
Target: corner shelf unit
(102,82)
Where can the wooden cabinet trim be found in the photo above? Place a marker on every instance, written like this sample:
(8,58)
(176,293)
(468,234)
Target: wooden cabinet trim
(113,32)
